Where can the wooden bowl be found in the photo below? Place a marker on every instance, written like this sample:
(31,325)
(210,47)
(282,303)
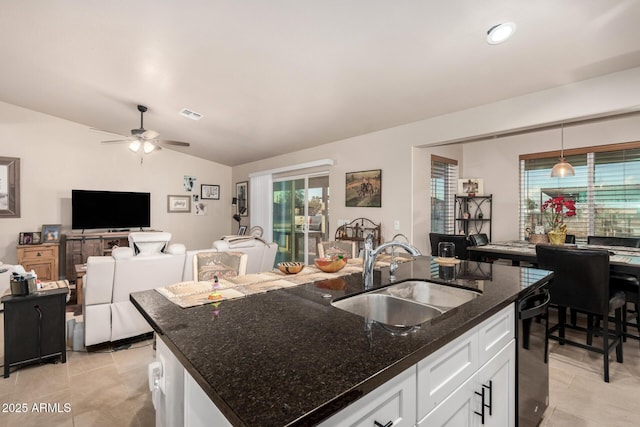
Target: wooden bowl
(290,267)
(329,265)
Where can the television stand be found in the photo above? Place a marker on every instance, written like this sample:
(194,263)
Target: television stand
(80,246)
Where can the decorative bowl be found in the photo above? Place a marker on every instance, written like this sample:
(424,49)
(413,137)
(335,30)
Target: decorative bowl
(330,265)
(290,267)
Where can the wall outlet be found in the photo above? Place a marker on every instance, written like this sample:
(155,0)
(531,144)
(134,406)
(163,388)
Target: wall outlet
(396,224)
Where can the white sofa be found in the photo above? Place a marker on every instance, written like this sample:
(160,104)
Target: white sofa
(109,315)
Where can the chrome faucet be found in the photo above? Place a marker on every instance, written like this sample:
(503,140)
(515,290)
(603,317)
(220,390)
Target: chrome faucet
(371,254)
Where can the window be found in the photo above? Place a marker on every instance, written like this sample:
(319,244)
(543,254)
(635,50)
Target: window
(606,189)
(444,180)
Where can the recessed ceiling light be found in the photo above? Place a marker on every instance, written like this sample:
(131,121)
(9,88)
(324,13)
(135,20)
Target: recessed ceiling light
(190,114)
(500,33)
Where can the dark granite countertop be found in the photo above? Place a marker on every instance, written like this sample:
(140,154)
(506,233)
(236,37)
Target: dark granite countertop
(287,357)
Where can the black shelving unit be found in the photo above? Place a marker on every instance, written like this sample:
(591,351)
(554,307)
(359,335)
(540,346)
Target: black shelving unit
(473,214)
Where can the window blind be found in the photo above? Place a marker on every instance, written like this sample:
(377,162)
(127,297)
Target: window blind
(444,180)
(606,189)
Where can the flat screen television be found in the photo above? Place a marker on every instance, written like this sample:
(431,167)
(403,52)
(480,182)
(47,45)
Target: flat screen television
(92,209)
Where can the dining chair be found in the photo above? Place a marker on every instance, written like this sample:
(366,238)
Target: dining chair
(459,240)
(630,242)
(581,282)
(223,265)
(626,283)
(331,247)
(480,239)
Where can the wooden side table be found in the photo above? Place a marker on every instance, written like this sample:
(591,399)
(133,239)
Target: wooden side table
(43,259)
(34,327)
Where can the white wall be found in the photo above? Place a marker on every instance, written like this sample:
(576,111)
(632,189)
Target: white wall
(57,156)
(403,152)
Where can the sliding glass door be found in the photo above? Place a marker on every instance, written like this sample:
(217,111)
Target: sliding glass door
(300,216)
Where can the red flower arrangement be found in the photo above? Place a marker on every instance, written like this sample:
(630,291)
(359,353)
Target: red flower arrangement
(556,209)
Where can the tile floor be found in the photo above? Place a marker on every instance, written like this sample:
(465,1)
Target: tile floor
(109,388)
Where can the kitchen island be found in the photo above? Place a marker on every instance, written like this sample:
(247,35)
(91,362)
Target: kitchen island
(288,357)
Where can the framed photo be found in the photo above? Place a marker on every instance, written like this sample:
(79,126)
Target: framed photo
(25,239)
(9,187)
(470,187)
(177,203)
(50,233)
(210,192)
(37,238)
(242,195)
(242,230)
(364,189)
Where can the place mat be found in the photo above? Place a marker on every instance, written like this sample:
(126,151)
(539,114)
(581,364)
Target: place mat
(192,294)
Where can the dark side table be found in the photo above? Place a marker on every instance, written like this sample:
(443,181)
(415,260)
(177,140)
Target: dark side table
(34,327)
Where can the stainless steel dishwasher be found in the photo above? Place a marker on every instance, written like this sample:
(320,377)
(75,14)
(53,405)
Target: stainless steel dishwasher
(532,380)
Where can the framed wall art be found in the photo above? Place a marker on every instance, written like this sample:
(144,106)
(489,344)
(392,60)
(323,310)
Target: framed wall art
(364,189)
(178,204)
(242,195)
(211,192)
(9,187)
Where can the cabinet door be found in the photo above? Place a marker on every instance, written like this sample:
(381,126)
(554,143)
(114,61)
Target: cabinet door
(393,402)
(91,247)
(457,410)
(495,332)
(497,378)
(445,370)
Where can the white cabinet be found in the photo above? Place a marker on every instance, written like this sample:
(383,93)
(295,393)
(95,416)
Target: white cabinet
(391,404)
(485,399)
(166,381)
(199,410)
(500,375)
(471,382)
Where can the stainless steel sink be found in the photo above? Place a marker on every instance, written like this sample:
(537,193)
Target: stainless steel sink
(405,304)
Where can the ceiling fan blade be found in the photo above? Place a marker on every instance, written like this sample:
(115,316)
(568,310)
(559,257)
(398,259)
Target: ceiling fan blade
(116,141)
(178,143)
(150,134)
(108,132)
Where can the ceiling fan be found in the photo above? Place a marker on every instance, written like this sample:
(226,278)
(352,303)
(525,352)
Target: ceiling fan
(144,139)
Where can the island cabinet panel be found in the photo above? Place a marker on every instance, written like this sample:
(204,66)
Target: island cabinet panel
(485,399)
(199,410)
(471,385)
(444,371)
(391,404)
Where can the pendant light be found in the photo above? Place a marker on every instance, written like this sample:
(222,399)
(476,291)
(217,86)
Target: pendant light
(562,168)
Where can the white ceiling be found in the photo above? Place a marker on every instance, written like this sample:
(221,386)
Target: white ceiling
(274,76)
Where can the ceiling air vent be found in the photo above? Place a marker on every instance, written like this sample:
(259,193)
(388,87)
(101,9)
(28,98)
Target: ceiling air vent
(190,114)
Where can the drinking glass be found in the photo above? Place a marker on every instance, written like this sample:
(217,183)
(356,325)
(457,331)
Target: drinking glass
(446,250)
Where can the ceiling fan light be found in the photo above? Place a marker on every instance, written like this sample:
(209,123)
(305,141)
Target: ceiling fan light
(562,169)
(134,146)
(148,147)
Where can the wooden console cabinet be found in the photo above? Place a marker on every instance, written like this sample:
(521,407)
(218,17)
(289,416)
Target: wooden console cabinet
(43,259)
(80,246)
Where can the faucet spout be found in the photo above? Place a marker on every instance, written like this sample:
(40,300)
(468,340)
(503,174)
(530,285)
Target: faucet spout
(371,254)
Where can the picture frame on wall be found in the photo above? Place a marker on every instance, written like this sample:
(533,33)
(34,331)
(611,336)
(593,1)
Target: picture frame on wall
(210,192)
(51,233)
(242,196)
(363,189)
(178,203)
(9,187)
